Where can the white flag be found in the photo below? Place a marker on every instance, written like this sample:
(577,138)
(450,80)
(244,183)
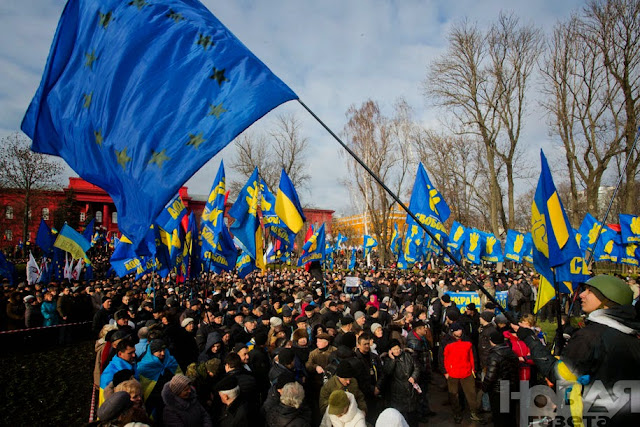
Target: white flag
(77,269)
(67,266)
(33,271)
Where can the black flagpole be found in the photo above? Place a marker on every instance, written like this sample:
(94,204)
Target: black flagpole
(411,214)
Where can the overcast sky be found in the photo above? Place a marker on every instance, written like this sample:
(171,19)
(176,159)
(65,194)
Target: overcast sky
(333,54)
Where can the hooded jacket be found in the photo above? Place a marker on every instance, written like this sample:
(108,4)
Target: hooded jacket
(212,338)
(353,418)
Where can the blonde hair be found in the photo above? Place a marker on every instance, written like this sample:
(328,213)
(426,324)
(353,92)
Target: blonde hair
(529,319)
(130,386)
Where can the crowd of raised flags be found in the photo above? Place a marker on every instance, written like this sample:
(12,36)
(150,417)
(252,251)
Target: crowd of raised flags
(189,111)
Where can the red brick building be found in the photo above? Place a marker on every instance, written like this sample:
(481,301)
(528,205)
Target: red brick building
(92,202)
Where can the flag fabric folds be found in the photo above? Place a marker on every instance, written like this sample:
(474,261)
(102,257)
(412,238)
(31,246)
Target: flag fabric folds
(133,89)
(368,243)
(457,235)
(245,265)
(428,205)
(492,251)
(45,239)
(473,245)
(268,206)
(71,241)
(313,249)
(396,240)
(33,271)
(246,227)
(218,249)
(288,205)
(630,228)
(554,242)
(352,261)
(514,249)
(589,229)
(88,231)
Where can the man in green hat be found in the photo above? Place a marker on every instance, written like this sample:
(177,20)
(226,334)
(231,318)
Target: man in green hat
(599,356)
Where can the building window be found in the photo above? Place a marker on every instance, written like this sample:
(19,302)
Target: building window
(9,212)
(83,216)
(45,214)
(99,216)
(114,217)
(8,235)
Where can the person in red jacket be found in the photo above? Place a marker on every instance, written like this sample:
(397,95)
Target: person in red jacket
(521,350)
(459,367)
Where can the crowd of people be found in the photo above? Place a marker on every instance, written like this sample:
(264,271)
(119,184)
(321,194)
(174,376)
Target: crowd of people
(283,349)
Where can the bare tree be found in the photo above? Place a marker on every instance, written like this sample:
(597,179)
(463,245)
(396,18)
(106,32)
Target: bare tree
(584,107)
(482,80)
(27,172)
(454,165)
(283,147)
(380,142)
(614,28)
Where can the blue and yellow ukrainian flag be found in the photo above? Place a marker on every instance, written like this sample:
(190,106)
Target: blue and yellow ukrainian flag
(73,242)
(555,249)
(288,205)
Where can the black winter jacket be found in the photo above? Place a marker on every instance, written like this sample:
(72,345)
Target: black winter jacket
(502,364)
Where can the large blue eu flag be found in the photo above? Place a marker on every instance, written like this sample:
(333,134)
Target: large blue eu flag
(137,95)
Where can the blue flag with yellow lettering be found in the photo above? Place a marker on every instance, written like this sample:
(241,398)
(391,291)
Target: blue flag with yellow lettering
(313,249)
(630,228)
(474,245)
(268,207)
(428,205)
(492,250)
(213,213)
(554,242)
(514,248)
(137,91)
(246,227)
(457,235)
(217,248)
(245,265)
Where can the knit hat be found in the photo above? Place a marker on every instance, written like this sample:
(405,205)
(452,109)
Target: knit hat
(394,342)
(502,319)
(186,321)
(487,316)
(374,327)
(346,320)
(178,383)
(446,298)
(286,356)
(286,311)
(157,345)
(114,406)
(345,370)
(275,321)
(338,402)
(358,315)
